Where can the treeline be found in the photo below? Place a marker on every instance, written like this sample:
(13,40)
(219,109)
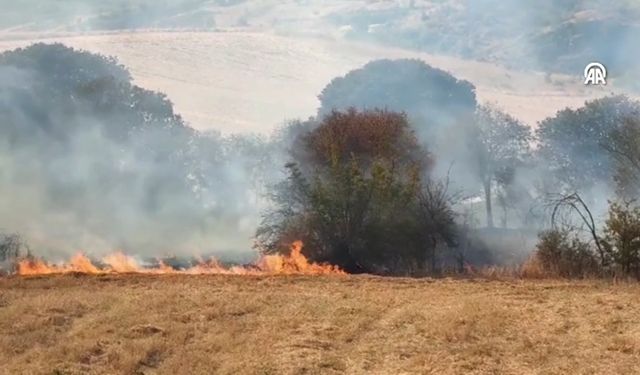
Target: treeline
(401,172)
(392,190)
(90,161)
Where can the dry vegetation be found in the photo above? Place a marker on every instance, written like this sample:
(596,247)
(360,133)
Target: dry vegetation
(262,325)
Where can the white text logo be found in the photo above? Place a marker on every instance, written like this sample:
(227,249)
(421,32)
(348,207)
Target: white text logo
(595,74)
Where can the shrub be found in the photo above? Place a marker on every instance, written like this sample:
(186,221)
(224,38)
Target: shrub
(562,253)
(622,237)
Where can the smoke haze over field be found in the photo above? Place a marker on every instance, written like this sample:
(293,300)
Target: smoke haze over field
(91,160)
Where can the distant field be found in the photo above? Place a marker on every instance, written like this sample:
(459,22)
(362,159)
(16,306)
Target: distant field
(315,325)
(252,82)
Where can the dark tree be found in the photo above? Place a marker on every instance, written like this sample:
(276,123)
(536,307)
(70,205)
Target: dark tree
(428,95)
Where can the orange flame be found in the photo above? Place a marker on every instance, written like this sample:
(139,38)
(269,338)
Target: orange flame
(293,264)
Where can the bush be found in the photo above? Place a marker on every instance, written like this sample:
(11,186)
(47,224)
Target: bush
(622,237)
(561,253)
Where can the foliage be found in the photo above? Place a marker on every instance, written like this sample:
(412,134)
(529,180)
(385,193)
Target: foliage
(625,150)
(622,237)
(113,163)
(357,197)
(567,207)
(573,143)
(499,144)
(562,254)
(426,94)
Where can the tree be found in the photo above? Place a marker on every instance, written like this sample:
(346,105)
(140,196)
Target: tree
(437,104)
(109,162)
(564,207)
(573,143)
(430,97)
(436,220)
(499,145)
(355,195)
(625,150)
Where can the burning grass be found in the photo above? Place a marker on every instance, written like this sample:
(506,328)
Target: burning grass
(166,324)
(294,263)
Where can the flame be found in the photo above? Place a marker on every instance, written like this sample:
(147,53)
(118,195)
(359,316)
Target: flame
(293,264)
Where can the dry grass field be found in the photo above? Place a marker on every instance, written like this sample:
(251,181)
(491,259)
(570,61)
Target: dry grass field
(177,324)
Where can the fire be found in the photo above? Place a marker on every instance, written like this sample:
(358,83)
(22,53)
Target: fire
(293,264)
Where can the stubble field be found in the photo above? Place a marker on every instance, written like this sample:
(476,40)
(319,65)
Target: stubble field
(176,324)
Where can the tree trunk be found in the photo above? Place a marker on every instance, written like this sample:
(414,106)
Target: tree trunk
(434,244)
(487,200)
(504,217)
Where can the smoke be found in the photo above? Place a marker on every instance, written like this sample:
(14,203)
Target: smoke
(78,175)
(89,162)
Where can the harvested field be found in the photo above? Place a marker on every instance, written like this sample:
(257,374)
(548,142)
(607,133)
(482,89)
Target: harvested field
(169,324)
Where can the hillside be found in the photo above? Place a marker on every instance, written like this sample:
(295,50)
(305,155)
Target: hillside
(523,34)
(314,325)
(241,81)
